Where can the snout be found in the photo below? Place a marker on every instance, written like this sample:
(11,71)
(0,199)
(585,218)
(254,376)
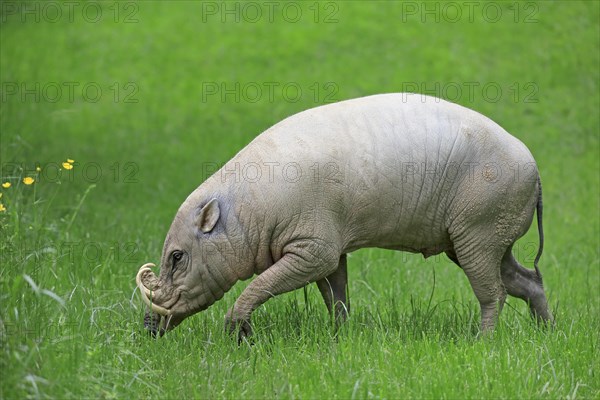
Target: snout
(152,322)
(160,318)
(147,282)
(157,325)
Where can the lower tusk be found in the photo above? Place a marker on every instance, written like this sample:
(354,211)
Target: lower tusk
(167,322)
(147,293)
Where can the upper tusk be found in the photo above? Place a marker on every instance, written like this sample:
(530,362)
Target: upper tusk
(138,279)
(147,293)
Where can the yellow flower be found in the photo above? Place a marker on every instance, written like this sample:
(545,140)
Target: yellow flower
(67,165)
(70,161)
(2,208)
(38,169)
(6,185)
(28,180)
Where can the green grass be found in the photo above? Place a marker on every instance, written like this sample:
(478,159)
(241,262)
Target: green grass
(70,320)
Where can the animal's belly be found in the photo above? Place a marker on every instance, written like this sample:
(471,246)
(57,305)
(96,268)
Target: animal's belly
(428,251)
(428,243)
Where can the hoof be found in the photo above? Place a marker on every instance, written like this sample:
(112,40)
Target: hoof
(240,328)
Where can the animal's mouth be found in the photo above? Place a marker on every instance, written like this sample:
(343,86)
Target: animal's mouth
(164,318)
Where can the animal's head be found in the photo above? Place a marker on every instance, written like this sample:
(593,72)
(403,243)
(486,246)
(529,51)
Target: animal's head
(193,261)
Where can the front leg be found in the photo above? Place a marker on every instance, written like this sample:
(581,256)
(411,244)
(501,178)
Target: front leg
(294,270)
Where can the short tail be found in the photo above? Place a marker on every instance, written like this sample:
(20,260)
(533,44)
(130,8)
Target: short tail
(539,209)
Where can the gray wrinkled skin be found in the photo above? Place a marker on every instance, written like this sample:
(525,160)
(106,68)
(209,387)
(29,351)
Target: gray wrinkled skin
(396,171)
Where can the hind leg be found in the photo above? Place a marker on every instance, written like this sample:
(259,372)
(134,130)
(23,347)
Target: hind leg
(481,260)
(526,285)
(333,289)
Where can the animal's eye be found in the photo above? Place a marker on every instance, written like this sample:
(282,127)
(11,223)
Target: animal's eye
(177,256)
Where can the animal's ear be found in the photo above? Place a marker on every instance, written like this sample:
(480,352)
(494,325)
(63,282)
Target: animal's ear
(208,217)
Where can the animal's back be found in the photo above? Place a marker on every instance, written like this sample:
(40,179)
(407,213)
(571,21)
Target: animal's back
(385,131)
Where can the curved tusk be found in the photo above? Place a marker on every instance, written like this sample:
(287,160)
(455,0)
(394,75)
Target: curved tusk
(138,279)
(147,293)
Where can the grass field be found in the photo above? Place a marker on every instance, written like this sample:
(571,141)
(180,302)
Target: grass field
(147,97)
